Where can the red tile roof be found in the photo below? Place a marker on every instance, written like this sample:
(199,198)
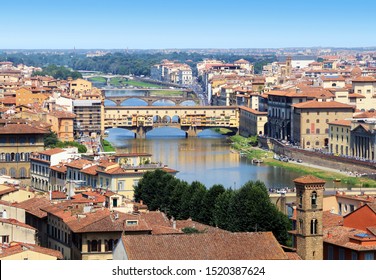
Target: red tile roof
(253,111)
(213,246)
(78,163)
(309,179)
(22,129)
(34,205)
(364,79)
(16,248)
(313,104)
(51,152)
(16,223)
(341,122)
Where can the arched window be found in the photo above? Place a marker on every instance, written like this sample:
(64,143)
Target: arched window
(22,156)
(7,157)
(17,157)
(3,171)
(314,199)
(12,156)
(23,172)
(27,156)
(300,199)
(308,143)
(12,172)
(2,157)
(314,226)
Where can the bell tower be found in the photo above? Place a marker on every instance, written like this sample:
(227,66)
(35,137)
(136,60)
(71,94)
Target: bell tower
(288,66)
(309,229)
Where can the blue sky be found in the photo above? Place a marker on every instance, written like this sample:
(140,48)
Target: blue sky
(148,24)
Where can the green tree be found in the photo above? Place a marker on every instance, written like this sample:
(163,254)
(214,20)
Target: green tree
(223,211)
(50,140)
(208,204)
(151,189)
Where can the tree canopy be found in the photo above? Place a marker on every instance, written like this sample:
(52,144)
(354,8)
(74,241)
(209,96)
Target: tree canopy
(245,209)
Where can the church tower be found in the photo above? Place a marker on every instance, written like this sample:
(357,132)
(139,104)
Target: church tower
(309,228)
(288,66)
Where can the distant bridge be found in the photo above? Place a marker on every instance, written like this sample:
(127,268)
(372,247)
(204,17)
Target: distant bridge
(191,119)
(150,99)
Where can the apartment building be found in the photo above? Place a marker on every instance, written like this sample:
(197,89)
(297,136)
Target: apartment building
(89,117)
(310,122)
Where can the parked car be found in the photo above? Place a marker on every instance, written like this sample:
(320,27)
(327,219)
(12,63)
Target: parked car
(299,160)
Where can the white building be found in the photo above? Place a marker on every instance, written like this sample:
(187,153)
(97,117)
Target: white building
(41,166)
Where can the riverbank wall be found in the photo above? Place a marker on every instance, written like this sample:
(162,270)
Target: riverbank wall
(321,159)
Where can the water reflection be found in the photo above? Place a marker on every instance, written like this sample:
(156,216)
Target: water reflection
(207,159)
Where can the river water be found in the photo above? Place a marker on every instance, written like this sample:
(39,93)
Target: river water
(207,158)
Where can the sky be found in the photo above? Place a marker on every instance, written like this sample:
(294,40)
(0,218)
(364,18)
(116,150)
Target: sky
(162,24)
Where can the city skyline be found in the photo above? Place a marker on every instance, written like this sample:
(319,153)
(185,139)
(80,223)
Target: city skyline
(194,24)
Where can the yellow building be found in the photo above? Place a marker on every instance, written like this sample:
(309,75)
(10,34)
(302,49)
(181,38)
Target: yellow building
(123,179)
(339,137)
(310,122)
(365,86)
(79,86)
(62,124)
(17,142)
(252,122)
(13,230)
(25,96)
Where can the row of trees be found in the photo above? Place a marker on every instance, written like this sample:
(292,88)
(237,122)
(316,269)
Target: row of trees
(126,63)
(246,209)
(58,72)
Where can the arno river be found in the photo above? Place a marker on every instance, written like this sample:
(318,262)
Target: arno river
(207,158)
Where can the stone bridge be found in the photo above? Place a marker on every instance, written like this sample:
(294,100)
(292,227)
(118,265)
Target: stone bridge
(191,119)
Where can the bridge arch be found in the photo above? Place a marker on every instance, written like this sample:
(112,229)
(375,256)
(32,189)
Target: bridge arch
(109,102)
(175,119)
(134,101)
(166,119)
(163,102)
(188,103)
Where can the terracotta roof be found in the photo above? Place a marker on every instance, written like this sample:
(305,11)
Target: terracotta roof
(8,100)
(34,205)
(22,129)
(16,223)
(78,163)
(51,152)
(181,224)
(293,256)
(343,236)
(309,179)
(92,170)
(105,221)
(62,114)
(214,246)
(356,95)
(330,220)
(253,111)
(364,115)
(16,248)
(58,195)
(364,79)
(341,122)
(313,104)
(8,190)
(59,168)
